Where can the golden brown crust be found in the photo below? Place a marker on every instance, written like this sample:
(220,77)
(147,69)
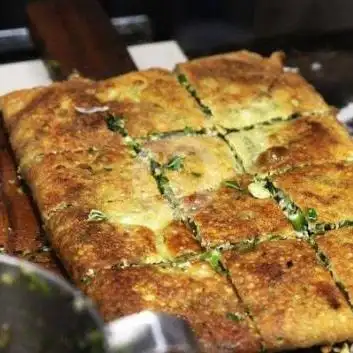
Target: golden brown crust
(205,162)
(231,216)
(178,240)
(242,89)
(94,178)
(50,122)
(136,224)
(306,140)
(231,82)
(14,103)
(294,94)
(151,101)
(19,104)
(83,245)
(103,210)
(230,65)
(292,298)
(338,246)
(195,293)
(327,188)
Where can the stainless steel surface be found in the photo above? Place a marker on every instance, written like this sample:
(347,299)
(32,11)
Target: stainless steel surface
(40,312)
(134,29)
(15,39)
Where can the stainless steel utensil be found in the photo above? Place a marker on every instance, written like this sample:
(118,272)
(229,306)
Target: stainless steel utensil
(40,312)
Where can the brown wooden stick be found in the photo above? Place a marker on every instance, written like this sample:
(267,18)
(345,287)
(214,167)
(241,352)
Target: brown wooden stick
(77,35)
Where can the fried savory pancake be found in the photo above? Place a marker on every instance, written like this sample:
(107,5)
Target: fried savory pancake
(53,119)
(103,210)
(231,215)
(151,102)
(338,246)
(84,244)
(14,103)
(233,86)
(308,139)
(194,292)
(241,89)
(93,178)
(292,298)
(51,123)
(194,163)
(295,95)
(106,210)
(327,188)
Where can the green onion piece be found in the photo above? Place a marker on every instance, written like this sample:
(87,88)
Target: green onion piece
(182,79)
(205,109)
(298,221)
(236,317)
(311,214)
(213,257)
(114,123)
(175,163)
(232,184)
(96,216)
(188,130)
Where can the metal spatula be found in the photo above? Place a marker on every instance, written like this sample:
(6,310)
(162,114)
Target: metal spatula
(42,313)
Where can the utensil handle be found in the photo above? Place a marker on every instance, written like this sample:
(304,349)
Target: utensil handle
(149,332)
(77,35)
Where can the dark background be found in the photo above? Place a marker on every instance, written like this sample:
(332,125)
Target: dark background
(200,26)
(307,30)
(203,27)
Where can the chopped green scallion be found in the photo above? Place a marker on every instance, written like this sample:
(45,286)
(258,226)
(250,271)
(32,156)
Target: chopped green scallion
(115,123)
(182,79)
(236,317)
(298,220)
(188,130)
(311,214)
(232,184)
(175,163)
(213,257)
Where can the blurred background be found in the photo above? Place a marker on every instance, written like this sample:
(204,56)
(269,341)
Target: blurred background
(202,27)
(309,31)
